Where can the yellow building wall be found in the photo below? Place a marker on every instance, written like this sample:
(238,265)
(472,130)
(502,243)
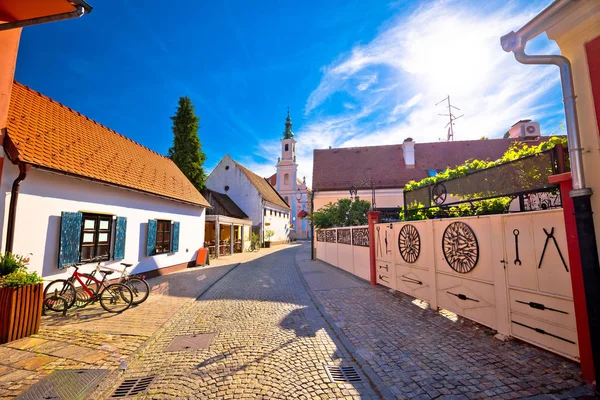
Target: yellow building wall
(384,198)
(571,34)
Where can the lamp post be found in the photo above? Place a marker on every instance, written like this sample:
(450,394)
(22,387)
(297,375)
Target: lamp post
(353,192)
(299,198)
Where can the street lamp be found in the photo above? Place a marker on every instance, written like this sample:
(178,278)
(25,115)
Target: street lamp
(353,192)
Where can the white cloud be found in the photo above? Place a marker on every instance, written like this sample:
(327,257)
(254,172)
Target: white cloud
(367,82)
(447,47)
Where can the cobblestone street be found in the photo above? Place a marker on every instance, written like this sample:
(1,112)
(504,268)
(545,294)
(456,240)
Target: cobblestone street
(90,338)
(270,341)
(422,354)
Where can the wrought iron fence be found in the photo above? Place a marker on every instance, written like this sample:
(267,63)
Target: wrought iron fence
(525,179)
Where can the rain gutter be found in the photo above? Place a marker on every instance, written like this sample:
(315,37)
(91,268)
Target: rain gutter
(78,12)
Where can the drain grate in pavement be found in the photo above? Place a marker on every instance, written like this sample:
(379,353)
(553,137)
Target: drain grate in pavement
(133,386)
(342,373)
(65,385)
(191,342)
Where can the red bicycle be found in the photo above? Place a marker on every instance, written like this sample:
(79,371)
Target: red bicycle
(114,297)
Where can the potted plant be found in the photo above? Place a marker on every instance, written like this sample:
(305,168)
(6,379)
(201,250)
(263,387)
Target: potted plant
(269,233)
(21,296)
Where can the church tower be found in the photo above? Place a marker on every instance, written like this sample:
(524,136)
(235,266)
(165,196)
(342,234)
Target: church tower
(286,164)
(295,192)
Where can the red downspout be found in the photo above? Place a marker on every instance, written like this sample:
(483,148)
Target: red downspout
(373,219)
(12,210)
(581,314)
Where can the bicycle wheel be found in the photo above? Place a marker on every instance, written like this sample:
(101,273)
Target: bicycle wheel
(116,298)
(62,288)
(83,297)
(139,288)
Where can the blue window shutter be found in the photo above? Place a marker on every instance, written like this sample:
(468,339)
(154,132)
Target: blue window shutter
(70,235)
(151,242)
(120,229)
(175,245)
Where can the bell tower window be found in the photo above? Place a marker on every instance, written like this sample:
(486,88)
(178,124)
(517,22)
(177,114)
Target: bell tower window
(287,147)
(286,179)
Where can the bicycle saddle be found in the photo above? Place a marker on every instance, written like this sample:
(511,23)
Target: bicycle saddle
(126,265)
(105,272)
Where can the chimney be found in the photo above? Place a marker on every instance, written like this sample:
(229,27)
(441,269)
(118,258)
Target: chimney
(408,148)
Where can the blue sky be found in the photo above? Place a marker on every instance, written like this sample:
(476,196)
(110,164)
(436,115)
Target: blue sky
(352,72)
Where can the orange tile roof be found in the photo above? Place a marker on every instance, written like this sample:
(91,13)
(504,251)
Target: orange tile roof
(50,135)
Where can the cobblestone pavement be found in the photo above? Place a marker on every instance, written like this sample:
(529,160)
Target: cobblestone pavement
(92,338)
(422,354)
(270,342)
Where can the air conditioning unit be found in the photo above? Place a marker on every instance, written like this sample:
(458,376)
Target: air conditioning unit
(530,130)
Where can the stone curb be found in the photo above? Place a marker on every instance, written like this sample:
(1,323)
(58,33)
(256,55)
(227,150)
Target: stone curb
(373,378)
(110,381)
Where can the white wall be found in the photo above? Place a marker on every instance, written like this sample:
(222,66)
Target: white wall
(44,195)
(245,195)
(279,224)
(241,191)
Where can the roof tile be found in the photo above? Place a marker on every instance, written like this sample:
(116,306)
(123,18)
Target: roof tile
(341,168)
(51,135)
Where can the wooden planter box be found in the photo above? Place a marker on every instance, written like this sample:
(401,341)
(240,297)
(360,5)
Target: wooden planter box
(20,311)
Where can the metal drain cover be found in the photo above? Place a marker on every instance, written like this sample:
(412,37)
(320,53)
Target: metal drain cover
(65,385)
(191,342)
(342,373)
(133,386)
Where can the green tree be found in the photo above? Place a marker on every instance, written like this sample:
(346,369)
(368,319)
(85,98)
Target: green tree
(186,151)
(343,212)
(506,135)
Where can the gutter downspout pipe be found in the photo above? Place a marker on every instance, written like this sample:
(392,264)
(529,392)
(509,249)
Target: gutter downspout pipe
(12,210)
(588,248)
(80,11)
(312,228)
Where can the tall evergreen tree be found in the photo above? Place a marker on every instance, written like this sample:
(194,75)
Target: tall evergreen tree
(186,151)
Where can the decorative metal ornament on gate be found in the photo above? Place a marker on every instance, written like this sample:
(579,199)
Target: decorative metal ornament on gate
(360,237)
(321,236)
(409,243)
(460,246)
(439,194)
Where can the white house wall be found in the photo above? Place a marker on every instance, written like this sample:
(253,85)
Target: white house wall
(241,191)
(245,195)
(45,195)
(279,223)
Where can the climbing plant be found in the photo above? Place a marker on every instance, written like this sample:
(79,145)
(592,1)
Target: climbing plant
(515,151)
(343,212)
(498,205)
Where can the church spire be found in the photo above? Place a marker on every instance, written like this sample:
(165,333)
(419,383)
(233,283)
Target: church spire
(288,134)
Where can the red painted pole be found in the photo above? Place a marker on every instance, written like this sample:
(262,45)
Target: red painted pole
(373,219)
(581,315)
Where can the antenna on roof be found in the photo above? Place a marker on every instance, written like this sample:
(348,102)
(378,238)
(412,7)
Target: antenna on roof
(450,125)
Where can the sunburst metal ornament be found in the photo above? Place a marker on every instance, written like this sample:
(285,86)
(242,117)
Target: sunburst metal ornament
(460,247)
(409,243)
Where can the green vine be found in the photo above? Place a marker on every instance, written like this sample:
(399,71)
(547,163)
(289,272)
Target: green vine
(498,205)
(515,151)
